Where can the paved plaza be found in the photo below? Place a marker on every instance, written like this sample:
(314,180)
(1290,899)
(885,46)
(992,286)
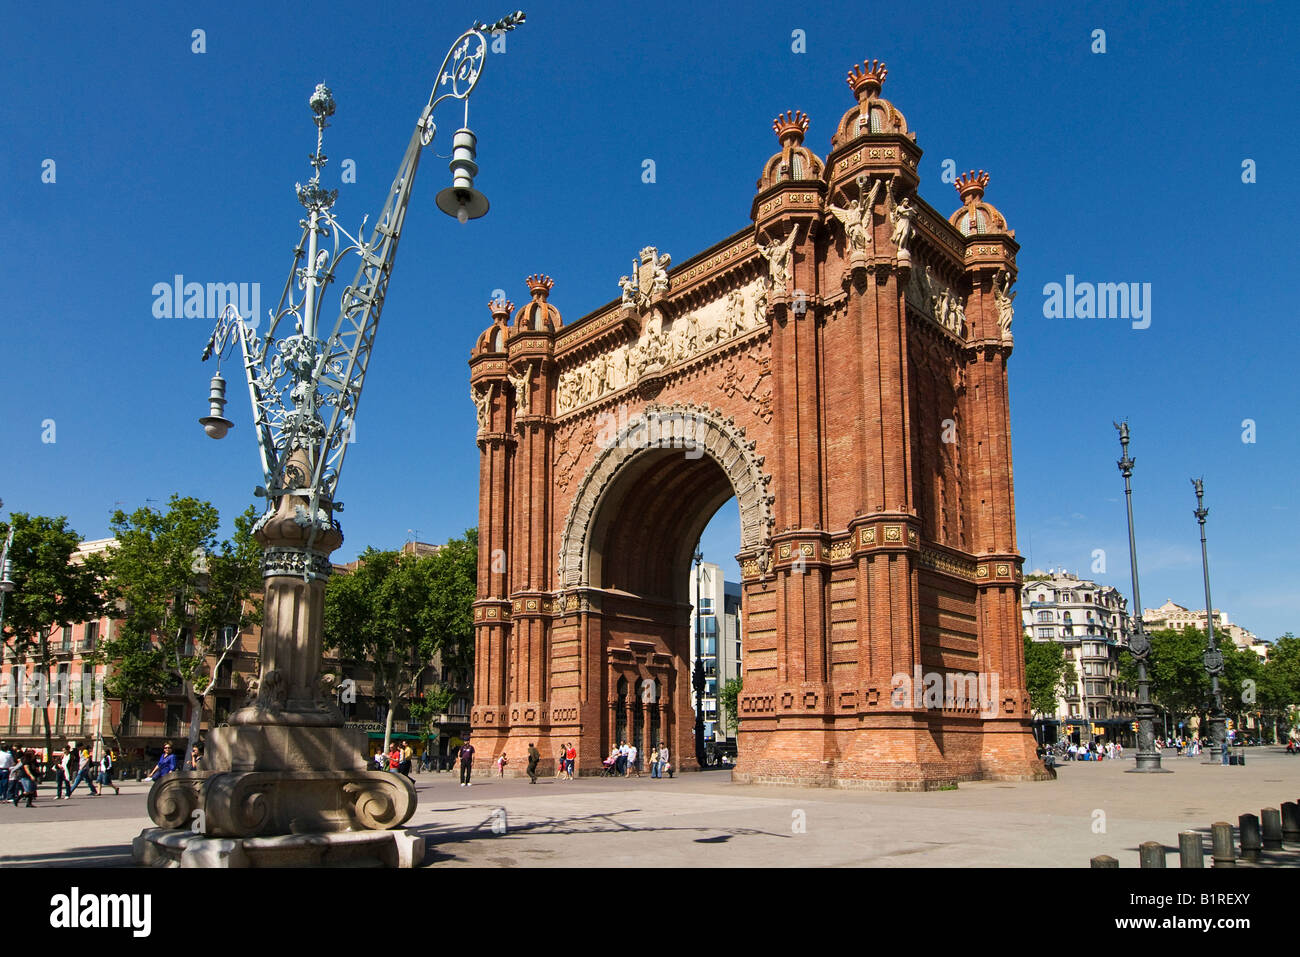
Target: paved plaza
(704,820)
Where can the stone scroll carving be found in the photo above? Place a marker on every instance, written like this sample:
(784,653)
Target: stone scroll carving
(718,436)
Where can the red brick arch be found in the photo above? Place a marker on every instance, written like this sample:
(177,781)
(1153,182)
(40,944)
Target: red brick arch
(851,393)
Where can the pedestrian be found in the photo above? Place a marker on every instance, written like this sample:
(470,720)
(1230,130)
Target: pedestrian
(534,758)
(14,783)
(501,765)
(570,759)
(395,758)
(192,762)
(63,772)
(106,773)
(86,771)
(633,764)
(408,758)
(559,762)
(166,763)
(654,763)
(466,758)
(27,779)
(663,758)
(621,766)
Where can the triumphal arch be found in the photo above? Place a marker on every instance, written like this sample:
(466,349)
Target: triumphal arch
(839,366)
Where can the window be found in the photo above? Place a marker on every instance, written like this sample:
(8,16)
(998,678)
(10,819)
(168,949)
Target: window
(66,644)
(90,636)
(706,606)
(1065,597)
(228,636)
(175,720)
(1044,616)
(1044,632)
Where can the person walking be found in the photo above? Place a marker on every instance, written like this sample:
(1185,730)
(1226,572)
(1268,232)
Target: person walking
(166,763)
(501,766)
(408,758)
(6,765)
(106,773)
(85,772)
(559,762)
(466,759)
(633,764)
(534,758)
(663,758)
(27,778)
(63,776)
(570,759)
(654,763)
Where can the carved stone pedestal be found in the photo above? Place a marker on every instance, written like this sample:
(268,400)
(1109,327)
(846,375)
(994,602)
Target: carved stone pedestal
(164,847)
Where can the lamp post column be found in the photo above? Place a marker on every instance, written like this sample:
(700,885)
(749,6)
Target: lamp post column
(1213,656)
(1148,758)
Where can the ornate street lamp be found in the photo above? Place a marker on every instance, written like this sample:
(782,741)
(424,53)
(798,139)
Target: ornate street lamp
(6,576)
(286,764)
(1139,646)
(1213,656)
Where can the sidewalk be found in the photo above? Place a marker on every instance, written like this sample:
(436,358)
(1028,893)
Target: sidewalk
(703,820)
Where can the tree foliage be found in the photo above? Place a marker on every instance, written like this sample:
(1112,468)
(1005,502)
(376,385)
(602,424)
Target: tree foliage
(178,590)
(729,700)
(399,611)
(1045,673)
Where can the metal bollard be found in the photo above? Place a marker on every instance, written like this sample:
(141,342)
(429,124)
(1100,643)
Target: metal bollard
(1271,819)
(1248,828)
(1191,851)
(1221,838)
(1104,860)
(1291,821)
(1151,854)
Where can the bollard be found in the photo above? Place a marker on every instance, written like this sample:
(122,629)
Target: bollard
(1248,828)
(1271,819)
(1291,821)
(1151,854)
(1190,850)
(1221,838)
(1104,860)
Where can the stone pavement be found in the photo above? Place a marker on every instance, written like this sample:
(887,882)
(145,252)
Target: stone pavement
(703,820)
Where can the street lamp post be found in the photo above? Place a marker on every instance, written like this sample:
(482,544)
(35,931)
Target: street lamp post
(1213,656)
(286,764)
(6,577)
(1139,646)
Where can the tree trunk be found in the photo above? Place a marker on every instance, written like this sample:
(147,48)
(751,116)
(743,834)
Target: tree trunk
(388,725)
(196,718)
(45,667)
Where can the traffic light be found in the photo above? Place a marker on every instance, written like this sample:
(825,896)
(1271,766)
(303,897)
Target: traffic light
(1133,726)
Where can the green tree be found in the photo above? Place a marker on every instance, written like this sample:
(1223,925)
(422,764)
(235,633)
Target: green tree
(52,590)
(180,594)
(729,700)
(1045,673)
(398,612)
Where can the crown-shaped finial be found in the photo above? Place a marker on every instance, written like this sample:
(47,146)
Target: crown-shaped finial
(867,79)
(500,309)
(540,286)
(970,186)
(791,126)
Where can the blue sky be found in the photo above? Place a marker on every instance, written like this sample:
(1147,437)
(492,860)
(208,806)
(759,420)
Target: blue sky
(1123,166)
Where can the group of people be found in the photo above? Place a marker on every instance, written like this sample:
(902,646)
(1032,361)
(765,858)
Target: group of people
(1092,751)
(22,771)
(399,758)
(625,761)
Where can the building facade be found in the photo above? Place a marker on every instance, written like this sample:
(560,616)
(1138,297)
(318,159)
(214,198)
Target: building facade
(715,612)
(839,366)
(1176,617)
(1091,623)
(83,715)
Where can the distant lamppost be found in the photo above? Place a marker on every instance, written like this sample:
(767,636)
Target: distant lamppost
(697,671)
(6,576)
(285,764)
(1213,656)
(1139,646)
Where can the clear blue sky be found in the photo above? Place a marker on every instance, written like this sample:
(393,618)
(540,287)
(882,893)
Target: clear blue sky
(1122,166)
